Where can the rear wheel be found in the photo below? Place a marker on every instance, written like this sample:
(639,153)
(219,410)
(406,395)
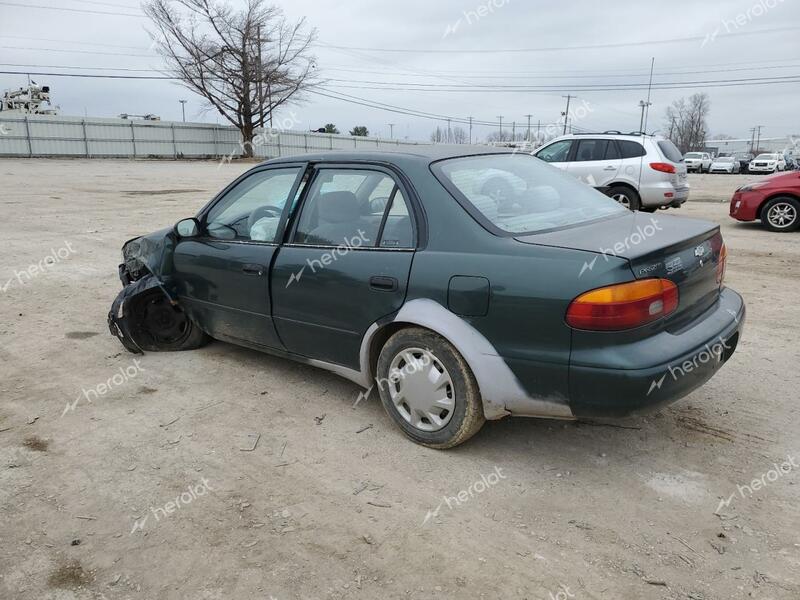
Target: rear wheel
(428,389)
(781,214)
(625,196)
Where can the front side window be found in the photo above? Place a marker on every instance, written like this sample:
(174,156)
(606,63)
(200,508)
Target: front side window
(251,211)
(519,194)
(353,206)
(556,152)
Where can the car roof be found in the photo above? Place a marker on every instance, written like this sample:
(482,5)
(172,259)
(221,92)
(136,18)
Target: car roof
(424,152)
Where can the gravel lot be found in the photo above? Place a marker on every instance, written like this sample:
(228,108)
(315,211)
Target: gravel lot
(324,508)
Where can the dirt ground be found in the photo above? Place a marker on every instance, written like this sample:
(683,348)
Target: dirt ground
(140,480)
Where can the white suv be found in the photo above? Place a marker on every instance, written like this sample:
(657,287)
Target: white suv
(643,172)
(698,161)
(768,163)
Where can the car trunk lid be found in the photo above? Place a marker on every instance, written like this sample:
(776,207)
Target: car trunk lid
(685,251)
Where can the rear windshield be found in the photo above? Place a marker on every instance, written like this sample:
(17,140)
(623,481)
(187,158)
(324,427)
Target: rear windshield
(671,152)
(517,193)
(724,159)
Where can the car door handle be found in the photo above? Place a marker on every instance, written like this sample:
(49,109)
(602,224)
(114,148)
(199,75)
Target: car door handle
(384,284)
(610,168)
(257,270)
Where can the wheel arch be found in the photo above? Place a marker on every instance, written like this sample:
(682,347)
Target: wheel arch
(764,202)
(498,386)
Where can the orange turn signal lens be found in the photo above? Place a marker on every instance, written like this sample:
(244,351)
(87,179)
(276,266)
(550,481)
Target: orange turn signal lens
(722,265)
(623,306)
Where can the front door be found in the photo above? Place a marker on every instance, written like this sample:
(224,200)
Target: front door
(223,274)
(346,263)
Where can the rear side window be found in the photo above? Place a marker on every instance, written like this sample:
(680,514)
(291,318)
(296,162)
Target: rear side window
(589,150)
(518,194)
(670,151)
(630,149)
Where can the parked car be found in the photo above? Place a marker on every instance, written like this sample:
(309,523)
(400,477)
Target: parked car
(744,159)
(775,201)
(410,273)
(641,172)
(767,163)
(698,161)
(724,164)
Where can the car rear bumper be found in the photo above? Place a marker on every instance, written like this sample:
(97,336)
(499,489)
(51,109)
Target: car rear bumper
(663,193)
(696,353)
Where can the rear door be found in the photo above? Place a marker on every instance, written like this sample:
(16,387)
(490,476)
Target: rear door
(346,263)
(596,161)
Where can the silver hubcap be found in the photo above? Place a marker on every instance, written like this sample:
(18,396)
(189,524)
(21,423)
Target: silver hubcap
(622,199)
(421,389)
(782,214)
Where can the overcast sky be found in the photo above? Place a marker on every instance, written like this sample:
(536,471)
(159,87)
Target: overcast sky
(737,51)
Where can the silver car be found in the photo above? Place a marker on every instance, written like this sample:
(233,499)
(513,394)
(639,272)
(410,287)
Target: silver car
(642,172)
(725,164)
(698,161)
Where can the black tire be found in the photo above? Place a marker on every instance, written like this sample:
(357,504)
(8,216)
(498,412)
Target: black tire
(159,326)
(467,413)
(633,201)
(781,214)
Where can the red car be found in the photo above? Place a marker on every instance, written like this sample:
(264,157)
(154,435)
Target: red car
(774,200)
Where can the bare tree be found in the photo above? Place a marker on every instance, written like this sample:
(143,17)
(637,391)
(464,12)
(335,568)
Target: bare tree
(686,122)
(459,135)
(439,136)
(245,63)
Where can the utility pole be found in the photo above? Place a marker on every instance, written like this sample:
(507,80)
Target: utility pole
(391,130)
(529,127)
(758,141)
(643,105)
(566,112)
(449,134)
(470,130)
(501,127)
(752,138)
(538,129)
(513,131)
(183,109)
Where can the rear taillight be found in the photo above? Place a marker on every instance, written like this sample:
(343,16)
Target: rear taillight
(623,306)
(663,167)
(722,264)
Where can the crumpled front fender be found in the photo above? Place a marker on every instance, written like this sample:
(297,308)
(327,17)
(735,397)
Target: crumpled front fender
(121,321)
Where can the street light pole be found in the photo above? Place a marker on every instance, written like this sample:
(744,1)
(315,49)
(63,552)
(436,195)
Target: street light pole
(391,130)
(183,109)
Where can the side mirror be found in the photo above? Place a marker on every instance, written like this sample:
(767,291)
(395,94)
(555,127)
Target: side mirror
(187,228)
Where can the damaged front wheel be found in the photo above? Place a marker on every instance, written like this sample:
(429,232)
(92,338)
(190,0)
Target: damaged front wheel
(149,321)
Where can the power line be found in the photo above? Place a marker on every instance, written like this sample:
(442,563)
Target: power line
(79,51)
(679,40)
(77,10)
